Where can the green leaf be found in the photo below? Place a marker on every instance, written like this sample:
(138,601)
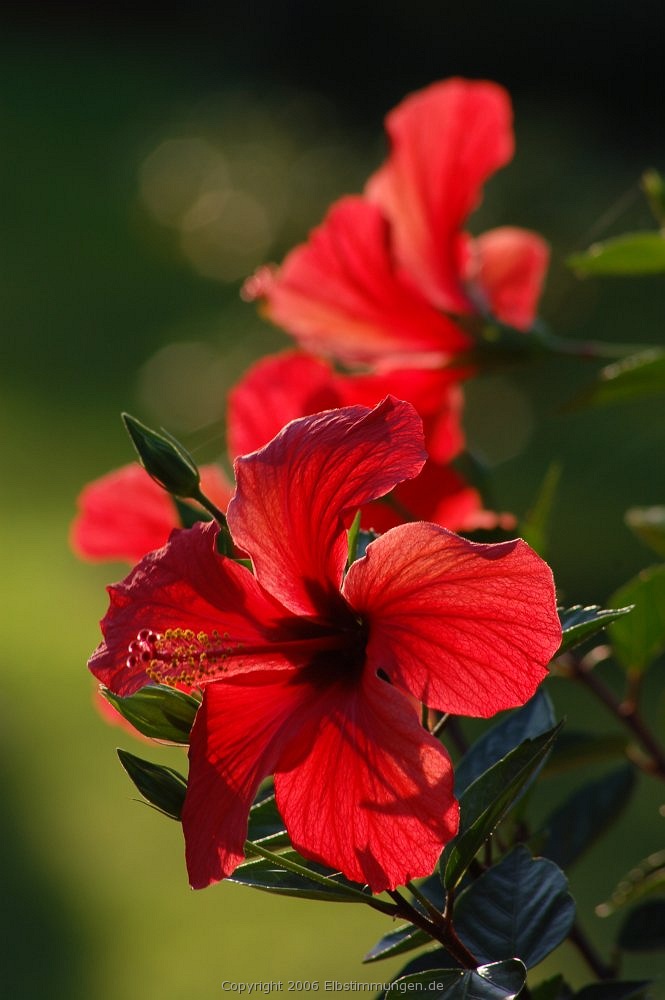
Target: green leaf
(266,827)
(260,873)
(498,981)
(574,826)
(352,539)
(552,989)
(404,938)
(487,800)
(520,907)
(654,188)
(634,377)
(577,747)
(644,927)
(157,711)
(637,642)
(646,877)
(163,787)
(535,527)
(580,623)
(631,253)
(648,523)
(615,990)
(163,458)
(525,723)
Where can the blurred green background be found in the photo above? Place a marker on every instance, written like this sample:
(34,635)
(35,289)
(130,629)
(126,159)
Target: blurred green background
(149,162)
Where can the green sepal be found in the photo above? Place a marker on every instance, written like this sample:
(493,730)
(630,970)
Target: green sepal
(189,515)
(646,877)
(164,459)
(629,254)
(638,642)
(644,927)
(163,787)
(519,907)
(498,981)
(634,377)
(488,799)
(157,711)
(580,623)
(648,523)
(575,825)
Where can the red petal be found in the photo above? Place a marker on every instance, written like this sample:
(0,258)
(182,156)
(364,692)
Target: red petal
(508,267)
(466,628)
(366,790)
(186,585)
(341,293)
(273,392)
(236,740)
(292,496)
(446,140)
(125,514)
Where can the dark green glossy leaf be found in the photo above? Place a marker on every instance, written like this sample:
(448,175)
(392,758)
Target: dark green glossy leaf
(498,981)
(487,800)
(634,377)
(580,623)
(615,990)
(586,814)
(525,723)
(163,787)
(260,873)
(157,711)
(552,989)
(520,907)
(646,877)
(639,640)
(576,747)
(648,523)
(644,927)
(535,527)
(632,253)
(163,458)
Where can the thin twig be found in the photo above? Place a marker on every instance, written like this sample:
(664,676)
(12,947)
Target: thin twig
(597,965)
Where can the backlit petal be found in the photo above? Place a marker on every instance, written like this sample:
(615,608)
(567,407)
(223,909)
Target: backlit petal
(238,735)
(186,586)
(342,294)
(446,140)
(508,268)
(466,628)
(125,514)
(369,792)
(292,496)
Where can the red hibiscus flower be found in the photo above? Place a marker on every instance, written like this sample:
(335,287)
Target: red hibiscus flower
(290,385)
(125,514)
(309,672)
(390,274)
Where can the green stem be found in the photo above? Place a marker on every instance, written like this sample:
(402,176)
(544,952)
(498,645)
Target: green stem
(292,866)
(426,903)
(212,508)
(442,931)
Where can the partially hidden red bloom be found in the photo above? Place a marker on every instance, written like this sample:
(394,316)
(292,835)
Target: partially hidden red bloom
(125,514)
(391,274)
(291,385)
(309,672)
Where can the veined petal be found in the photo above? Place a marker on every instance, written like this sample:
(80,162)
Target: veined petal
(125,514)
(507,269)
(186,615)
(446,140)
(466,628)
(366,790)
(292,496)
(342,294)
(238,735)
